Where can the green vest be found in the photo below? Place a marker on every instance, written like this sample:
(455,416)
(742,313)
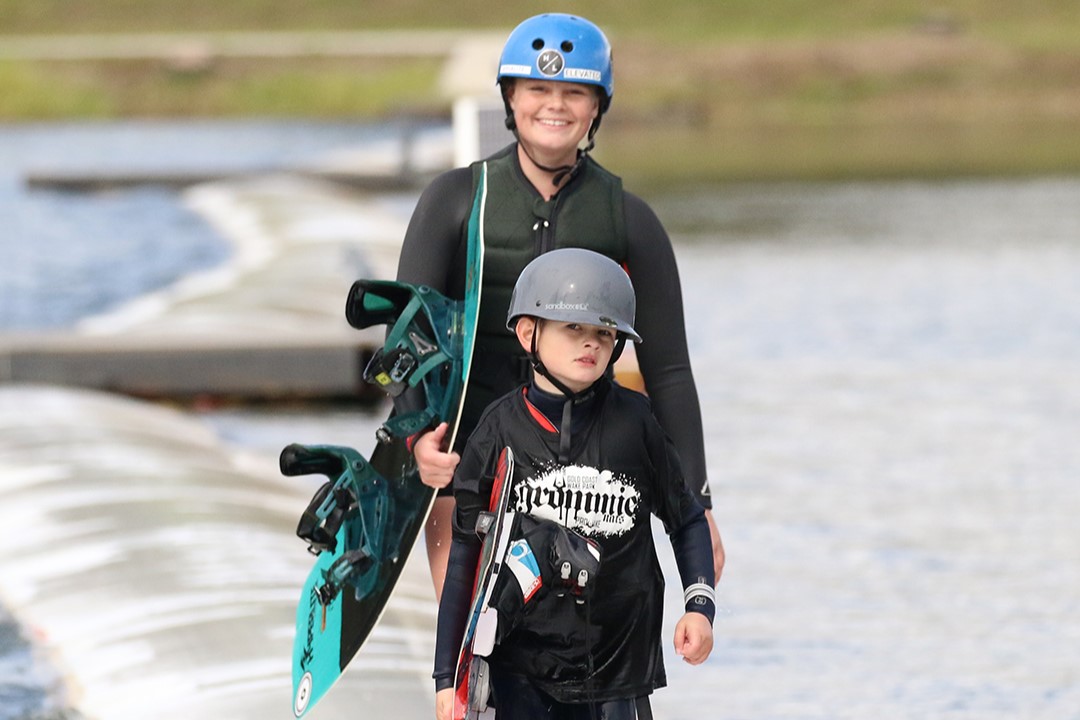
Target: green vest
(516,225)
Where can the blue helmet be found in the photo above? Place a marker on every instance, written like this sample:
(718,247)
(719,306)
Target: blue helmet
(560,47)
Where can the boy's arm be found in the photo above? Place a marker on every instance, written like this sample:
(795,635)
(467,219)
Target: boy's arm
(693,556)
(453,609)
(461,565)
(685,522)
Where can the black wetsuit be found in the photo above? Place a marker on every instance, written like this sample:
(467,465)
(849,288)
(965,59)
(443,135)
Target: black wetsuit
(622,470)
(434,253)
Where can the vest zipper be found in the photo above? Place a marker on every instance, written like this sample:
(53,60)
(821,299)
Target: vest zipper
(544,230)
(542,234)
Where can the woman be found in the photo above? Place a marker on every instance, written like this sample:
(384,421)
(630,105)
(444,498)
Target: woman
(540,193)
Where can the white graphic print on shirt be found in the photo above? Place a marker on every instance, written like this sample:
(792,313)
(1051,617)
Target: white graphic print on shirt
(591,501)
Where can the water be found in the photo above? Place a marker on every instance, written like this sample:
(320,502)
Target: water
(68,255)
(158,565)
(892,390)
(898,272)
(890,379)
(25,679)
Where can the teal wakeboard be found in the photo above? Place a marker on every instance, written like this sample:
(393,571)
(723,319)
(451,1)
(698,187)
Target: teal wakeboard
(364,521)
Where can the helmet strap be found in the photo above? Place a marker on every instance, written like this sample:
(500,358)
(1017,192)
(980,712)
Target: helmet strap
(568,404)
(563,170)
(571,396)
(620,345)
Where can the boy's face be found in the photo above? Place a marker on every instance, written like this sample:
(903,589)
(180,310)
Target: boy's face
(577,355)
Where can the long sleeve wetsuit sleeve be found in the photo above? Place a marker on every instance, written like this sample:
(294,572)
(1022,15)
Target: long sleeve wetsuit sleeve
(663,355)
(433,250)
(454,609)
(693,556)
(461,567)
(684,521)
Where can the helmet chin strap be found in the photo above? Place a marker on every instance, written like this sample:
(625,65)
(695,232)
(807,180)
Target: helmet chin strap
(561,171)
(568,405)
(571,396)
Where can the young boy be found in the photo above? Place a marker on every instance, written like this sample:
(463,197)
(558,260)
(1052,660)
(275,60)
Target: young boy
(590,456)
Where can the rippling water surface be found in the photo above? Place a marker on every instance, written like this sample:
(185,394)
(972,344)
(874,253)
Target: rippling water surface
(68,254)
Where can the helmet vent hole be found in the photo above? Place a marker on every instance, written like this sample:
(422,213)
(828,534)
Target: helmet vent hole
(538,43)
(567,46)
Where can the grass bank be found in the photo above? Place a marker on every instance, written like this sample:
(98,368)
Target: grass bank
(705,90)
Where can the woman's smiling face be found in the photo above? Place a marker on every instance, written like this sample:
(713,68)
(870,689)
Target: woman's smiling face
(553,117)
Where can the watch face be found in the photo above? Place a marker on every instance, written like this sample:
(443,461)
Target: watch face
(550,63)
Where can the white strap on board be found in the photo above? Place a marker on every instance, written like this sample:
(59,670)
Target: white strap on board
(484,634)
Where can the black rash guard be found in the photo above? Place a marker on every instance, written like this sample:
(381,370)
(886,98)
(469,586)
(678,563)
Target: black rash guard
(622,470)
(433,254)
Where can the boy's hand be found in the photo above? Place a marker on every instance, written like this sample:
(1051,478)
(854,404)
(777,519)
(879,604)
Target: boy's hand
(436,467)
(693,638)
(444,704)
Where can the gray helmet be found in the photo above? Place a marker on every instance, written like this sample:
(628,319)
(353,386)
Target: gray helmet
(577,286)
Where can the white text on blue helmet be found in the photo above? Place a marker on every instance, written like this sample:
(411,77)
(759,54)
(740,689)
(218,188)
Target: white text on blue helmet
(510,69)
(581,74)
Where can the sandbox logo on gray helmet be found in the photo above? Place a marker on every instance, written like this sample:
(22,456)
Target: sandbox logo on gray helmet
(578,286)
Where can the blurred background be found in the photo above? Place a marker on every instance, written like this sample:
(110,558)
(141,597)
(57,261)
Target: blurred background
(876,211)
(706,90)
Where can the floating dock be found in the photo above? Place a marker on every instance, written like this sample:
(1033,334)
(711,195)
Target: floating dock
(191,367)
(269,324)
